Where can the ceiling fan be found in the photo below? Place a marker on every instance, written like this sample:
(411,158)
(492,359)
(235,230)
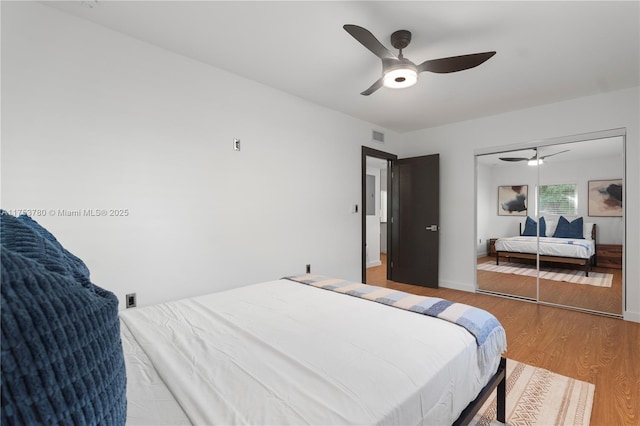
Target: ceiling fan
(533,161)
(399,72)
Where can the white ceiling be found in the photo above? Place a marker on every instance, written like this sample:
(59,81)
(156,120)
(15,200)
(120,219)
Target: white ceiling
(546,51)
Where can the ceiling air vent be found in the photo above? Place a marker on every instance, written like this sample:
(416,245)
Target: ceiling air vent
(377,136)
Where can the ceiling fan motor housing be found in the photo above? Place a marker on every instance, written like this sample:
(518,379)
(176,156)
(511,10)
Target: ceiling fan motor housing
(401,39)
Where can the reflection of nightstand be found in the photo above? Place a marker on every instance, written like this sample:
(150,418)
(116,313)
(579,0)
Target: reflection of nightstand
(492,246)
(609,255)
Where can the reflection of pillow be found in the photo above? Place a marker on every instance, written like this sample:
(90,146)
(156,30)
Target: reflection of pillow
(530,228)
(586,230)
(566,229)
(62,359)
(551,228)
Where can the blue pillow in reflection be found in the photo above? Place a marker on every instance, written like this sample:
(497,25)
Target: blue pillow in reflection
(566,229)
(530,228)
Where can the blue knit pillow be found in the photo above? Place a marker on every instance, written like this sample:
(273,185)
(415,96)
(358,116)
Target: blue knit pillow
(25,236)
(62,359)
(71,262)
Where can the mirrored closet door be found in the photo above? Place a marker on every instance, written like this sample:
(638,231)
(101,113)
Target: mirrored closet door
(550,223)
(505,185)
(582,186)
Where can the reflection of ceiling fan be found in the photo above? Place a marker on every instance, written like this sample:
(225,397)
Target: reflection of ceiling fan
(533,160)
(399,72)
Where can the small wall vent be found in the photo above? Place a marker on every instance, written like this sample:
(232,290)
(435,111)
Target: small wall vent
(377,136)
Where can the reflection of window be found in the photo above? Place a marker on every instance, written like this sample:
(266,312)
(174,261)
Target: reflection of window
(558,199)
(383,206)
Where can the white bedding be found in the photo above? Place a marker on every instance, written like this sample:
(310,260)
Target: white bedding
(286,353)
(549,246)
(149,401)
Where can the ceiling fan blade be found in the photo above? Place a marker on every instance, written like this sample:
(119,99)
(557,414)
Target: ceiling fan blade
(513,159)
(375,86)
(555,153)
(369,41)
(455,63)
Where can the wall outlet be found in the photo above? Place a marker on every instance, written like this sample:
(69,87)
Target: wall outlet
(130,300)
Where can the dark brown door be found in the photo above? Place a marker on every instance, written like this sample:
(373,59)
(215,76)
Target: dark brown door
(415,220)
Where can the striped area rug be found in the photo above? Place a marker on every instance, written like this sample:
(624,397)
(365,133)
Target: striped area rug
(597,279)
(536,396)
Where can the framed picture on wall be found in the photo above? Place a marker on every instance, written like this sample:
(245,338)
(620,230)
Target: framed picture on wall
(512,200)
(605,197)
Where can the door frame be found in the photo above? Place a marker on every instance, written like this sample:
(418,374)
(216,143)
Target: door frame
(371,152)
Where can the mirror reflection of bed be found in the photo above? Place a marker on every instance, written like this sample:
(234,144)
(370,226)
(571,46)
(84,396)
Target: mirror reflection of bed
(583,169)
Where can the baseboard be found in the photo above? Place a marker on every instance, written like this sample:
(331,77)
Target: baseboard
(482,254)
(631,316)
(374,263)
(457,286)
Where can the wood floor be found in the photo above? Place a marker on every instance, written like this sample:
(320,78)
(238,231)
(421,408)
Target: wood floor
(600,350)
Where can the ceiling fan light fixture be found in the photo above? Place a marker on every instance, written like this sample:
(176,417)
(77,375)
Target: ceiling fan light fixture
(400,78)
(534,162)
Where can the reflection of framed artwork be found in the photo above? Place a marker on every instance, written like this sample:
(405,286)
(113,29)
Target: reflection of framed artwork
(512,200)
(605,197)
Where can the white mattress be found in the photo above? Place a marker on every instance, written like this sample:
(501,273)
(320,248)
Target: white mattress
(563,247)
(285,353)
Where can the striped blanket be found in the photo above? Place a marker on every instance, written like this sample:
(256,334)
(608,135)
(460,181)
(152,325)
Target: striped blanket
(487,330)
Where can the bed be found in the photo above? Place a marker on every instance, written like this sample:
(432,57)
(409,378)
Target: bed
(297,350)
(568,243)
(285,352)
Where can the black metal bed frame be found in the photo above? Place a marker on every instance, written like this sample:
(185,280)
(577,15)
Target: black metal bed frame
(499,381)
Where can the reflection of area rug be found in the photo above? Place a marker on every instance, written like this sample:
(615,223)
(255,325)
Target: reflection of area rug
(597,279)
(536,396)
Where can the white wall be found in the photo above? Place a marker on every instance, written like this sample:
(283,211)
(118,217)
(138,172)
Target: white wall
(458,142)
(93,119)
(383,225)
(373,224)
(484,209)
